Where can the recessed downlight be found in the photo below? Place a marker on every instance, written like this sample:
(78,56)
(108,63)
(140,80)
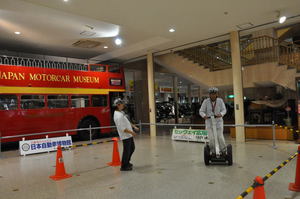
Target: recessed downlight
(118,41)
(66,0)
(282,19)
(105,47)
(171,30)
(17,33)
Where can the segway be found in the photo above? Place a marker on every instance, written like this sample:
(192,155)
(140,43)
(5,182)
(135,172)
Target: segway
(220,156)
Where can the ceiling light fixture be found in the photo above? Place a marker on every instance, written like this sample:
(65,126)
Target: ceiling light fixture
(172,30)
(281,18)
(245,25)
(105,47)
(17,33)
(66,0)
(118,41)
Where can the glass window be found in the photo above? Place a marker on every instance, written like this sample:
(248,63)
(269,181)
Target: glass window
(99,100)
(80,101)
(98,68)
(8,102)
(114,69)
(32,101)
(57,101)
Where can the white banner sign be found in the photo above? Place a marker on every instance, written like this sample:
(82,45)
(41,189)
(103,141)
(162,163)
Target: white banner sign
(44,145)
(194,135)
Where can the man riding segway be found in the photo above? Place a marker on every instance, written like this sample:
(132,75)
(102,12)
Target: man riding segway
(212,110)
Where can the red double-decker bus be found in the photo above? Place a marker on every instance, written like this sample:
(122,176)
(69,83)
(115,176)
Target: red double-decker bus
(42,96)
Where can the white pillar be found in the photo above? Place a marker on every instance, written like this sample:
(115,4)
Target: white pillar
(152,108)
(237,85)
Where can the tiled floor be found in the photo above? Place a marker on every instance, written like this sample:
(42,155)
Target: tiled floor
(162,169)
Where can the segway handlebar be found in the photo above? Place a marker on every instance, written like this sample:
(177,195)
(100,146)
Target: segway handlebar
(212,117)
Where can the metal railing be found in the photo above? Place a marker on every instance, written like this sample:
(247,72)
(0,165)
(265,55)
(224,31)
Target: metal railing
(54,132)
(210,57)
(140,124)
(290,55)
(258,50)
(273,126)
(61,132)
(41,63)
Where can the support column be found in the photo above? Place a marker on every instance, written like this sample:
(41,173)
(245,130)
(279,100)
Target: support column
(175,90)
(152,108)
(237,85)
(199,94)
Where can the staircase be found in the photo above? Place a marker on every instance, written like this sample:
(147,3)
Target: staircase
(264,61)
(289,54)
(254,51)
(209,57)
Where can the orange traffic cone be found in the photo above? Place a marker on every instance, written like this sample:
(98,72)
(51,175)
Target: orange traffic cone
(296,186)
(60,172)
(259,190)
(115,156)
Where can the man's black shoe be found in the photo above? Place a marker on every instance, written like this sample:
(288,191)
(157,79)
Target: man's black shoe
(126,169)
(130,165)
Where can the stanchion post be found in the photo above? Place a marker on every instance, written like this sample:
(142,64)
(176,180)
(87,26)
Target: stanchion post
(175,127)
(23,139)
(274,135)
(140,127)
(90,133)
(47,136)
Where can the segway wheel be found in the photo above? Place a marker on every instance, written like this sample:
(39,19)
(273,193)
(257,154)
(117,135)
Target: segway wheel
(229,154)
(206,155)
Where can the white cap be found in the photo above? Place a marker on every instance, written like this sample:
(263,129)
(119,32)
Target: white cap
(118,101)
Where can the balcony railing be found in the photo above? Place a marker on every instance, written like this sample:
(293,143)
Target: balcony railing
(40,63)
(254,51)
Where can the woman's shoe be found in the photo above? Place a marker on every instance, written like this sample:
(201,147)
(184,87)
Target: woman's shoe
(126,169)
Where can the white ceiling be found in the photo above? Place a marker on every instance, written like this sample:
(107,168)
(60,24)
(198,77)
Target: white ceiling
(51,26)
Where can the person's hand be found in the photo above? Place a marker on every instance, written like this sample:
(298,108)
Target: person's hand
(133,133)
(136,128)
(219,115)
(205,117)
